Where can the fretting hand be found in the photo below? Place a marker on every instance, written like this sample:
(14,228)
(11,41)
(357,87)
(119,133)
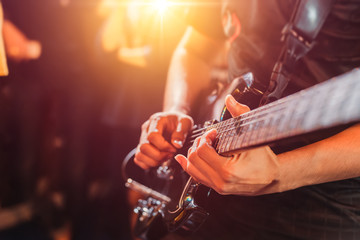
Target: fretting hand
(248,173)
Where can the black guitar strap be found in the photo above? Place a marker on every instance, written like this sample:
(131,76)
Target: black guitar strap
(299,37)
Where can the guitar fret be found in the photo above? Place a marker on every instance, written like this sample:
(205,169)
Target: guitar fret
(247,130)
(237,134)
(263,130)
(271,130)
(232,134)
(255,132)
(240,131)
(221,138)
(284,125)
(227,136)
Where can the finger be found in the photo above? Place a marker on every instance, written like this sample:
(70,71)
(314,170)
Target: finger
(194,146)
(155,135)
(152,152)
(204,162)
(207,153)
(235,108)
(192,170)
(144,161)
(141,164)
(182,129)
(159,142)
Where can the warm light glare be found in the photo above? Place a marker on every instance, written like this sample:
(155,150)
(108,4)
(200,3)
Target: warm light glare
(161,5)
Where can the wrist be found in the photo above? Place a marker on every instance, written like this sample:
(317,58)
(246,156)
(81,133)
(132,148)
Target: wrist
(184,109)
(297,168)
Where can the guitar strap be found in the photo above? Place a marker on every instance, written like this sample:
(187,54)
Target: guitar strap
(299,36)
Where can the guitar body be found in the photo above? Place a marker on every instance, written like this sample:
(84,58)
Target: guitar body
(183,212)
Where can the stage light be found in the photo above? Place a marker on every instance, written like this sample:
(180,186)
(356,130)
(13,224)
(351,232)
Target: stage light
(161,6)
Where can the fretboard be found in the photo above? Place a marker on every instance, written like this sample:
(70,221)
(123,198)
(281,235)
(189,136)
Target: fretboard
(325,105)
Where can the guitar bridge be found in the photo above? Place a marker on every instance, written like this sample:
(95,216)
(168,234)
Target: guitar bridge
(148,209)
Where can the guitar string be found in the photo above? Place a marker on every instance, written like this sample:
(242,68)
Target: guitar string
(254,118)
(274,106)
(232,122)
(248,115)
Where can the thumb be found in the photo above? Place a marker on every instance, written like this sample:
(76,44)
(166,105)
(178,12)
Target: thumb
(182,129)
(235,108)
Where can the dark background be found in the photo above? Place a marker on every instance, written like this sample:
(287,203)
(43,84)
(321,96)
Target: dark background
(70,117)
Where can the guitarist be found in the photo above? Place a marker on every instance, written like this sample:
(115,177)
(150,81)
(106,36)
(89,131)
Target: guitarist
(312,192)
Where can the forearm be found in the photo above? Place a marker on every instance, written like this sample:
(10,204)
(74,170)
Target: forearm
(189,71)
(184,83)
(331,159)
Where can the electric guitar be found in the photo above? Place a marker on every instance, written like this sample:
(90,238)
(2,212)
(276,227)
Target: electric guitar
(177,199)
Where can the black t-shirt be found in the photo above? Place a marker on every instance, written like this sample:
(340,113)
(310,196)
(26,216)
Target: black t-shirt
(254,30)
(324,211)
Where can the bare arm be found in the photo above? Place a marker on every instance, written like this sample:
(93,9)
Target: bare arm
(331,159)
(189,73)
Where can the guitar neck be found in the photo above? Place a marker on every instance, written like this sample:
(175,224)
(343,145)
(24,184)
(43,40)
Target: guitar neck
(332,103)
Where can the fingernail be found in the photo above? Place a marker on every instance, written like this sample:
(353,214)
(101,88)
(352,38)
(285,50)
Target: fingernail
(178,143)
(178,159)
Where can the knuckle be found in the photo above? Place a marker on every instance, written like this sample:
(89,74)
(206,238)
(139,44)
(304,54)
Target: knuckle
(192,157)
(140,163)
(197,140)
(152,164)
(137,156)
(220,188)
(137,160)
(201,150)
(145,125)
(191,121)
(143,147)
(152,136)
(187,119)
(154,116)
(226,174)
(189,151)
